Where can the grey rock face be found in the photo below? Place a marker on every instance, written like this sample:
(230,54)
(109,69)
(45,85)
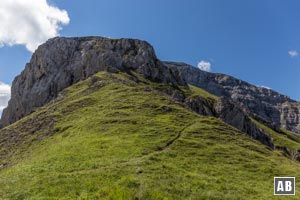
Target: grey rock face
(60,62)
(260,102)
(230,113)
(200,105)
(290,116)
(235,116)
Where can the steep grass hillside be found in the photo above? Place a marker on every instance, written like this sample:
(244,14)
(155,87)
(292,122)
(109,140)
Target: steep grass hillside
(113,137)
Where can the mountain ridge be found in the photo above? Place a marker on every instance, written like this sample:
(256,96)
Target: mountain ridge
(61,62)
(266,104)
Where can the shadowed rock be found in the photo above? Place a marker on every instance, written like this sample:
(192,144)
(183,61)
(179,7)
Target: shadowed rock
(236,117)
(230,113)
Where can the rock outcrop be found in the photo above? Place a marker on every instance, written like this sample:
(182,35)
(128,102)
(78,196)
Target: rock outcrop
(230,113)
(290,116)
(235,116)
(61,62)
(274,108)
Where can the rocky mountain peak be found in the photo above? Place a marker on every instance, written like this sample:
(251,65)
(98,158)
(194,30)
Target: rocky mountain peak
(61,62)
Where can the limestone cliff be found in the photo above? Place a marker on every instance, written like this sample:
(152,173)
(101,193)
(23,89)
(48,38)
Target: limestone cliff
(260,102)
(61,62)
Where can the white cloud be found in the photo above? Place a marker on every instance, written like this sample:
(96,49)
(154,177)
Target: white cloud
(204,65)
(29,22)
(4,96)
(293,53)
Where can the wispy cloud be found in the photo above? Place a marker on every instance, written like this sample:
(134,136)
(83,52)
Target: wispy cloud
(205,65)
(29,22)
(293,53)
(4,96)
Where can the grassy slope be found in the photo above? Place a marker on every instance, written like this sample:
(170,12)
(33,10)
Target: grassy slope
(121,140)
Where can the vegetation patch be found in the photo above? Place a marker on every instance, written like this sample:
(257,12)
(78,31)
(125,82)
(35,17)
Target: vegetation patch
(128,140)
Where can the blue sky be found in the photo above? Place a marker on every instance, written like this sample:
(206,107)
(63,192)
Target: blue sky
(257,41)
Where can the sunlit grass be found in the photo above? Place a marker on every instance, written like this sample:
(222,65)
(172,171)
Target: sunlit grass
(112,138)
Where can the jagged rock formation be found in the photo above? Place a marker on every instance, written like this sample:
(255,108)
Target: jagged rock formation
(61,62)
(261,102)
